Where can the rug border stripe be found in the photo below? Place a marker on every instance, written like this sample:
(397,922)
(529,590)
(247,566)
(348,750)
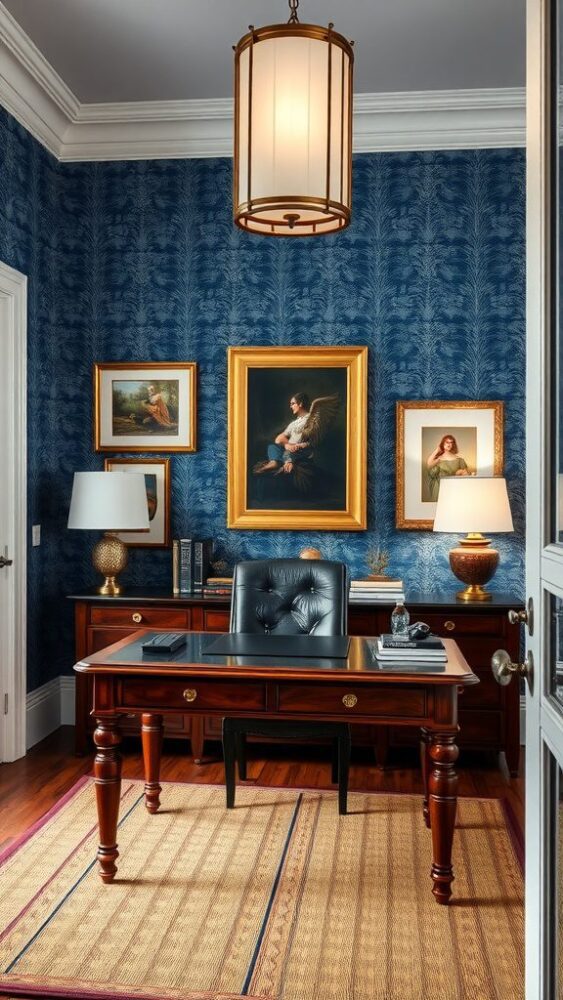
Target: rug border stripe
(271,898)
(31,830)
(69,893)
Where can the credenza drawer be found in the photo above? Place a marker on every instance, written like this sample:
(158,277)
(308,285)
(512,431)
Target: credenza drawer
(141,617)
(454,625)
(193,693)
(352,699)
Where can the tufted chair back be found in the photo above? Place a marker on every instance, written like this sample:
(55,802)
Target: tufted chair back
(290,597)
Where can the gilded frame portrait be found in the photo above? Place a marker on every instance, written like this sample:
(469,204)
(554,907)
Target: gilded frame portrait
(145,407)
(157,484)
(320,483)
(435,439)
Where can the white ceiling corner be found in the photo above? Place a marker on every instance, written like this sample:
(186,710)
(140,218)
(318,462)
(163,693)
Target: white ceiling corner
(32,91)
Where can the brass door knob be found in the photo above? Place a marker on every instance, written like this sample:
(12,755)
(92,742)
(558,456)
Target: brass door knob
(523,617)
(190,694)
(137,618)
(349,700)
(449,626)
(504,669)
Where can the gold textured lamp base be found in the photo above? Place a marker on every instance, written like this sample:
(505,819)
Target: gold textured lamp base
(474,563)
(109,557)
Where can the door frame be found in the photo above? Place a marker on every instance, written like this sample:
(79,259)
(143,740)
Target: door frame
(13,612)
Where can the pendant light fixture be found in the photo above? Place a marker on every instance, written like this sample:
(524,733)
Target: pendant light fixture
(293,129)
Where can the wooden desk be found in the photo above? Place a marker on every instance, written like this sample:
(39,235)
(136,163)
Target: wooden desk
(348,690)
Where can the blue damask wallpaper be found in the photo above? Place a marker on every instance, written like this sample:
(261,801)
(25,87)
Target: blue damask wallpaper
(140,261)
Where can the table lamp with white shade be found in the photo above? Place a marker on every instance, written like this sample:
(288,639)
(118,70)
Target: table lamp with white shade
(473,504)
(109,502)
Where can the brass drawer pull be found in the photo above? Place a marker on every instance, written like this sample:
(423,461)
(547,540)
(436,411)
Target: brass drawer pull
(449,626)
(190,694)
(349,700)
(137,618)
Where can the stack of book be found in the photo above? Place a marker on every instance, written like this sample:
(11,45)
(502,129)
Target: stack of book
(376,591)
(218,586)
(190,564)
(393,650)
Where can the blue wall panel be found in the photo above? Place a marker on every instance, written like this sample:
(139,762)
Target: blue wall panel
(140,261)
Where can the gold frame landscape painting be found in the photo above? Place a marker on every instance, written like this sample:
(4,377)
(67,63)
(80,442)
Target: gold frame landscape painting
(145,407)
(297,437)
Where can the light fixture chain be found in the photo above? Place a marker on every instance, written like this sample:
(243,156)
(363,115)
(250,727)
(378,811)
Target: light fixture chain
(293,5)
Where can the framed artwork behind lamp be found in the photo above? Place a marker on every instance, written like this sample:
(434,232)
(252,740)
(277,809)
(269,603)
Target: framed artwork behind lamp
(157,485)
(297,438)
(145,407)
(443,439)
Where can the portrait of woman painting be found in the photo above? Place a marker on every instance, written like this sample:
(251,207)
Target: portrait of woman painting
(436,440)
(446,451)
(142,407)
(292,425)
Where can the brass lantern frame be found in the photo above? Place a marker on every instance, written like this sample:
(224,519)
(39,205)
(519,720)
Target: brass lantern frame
(337,212)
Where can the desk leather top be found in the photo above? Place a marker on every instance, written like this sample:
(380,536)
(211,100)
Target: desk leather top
(126,657)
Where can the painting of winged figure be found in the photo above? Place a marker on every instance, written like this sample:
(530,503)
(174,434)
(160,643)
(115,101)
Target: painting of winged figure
(297,439)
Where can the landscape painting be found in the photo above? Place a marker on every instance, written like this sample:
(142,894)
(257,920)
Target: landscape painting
(145,407)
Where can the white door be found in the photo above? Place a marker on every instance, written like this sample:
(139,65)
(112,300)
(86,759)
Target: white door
(13,515)
(544,532)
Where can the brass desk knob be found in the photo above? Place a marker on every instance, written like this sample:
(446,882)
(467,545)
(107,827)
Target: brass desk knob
(349,700)
(190,694)
(137,618)
(449,626)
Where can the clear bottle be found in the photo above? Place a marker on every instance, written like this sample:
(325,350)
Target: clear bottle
(400,619)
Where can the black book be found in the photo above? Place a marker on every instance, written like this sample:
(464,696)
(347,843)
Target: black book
(389,641)
(186,565)
(203,550)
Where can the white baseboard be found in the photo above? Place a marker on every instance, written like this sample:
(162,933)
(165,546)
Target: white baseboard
(48,707)
(67,700)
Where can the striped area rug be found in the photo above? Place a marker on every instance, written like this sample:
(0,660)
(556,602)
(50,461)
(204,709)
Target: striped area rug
(278,899)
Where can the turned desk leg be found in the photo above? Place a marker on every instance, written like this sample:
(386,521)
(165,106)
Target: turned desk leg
(151,732)
(107,776)
(442,786)
(426,765)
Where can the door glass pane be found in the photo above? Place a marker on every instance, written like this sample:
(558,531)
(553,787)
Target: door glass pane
(555,873)
(556,649)
(557,485)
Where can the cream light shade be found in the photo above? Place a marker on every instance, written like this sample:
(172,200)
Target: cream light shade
(109,501)
(473,504)
(293,130)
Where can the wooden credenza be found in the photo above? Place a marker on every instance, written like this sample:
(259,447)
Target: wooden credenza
(489,715)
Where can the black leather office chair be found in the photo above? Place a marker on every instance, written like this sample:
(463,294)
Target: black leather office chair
(288,597)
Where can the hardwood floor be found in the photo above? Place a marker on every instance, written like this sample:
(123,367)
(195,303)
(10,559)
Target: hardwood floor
(29,787)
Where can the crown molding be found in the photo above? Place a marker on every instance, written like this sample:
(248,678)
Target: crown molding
(38,98)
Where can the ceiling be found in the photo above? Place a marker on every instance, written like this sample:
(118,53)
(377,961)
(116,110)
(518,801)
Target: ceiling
(163,50)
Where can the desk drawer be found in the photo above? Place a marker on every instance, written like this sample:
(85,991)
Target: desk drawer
(408,702)
(200,694)
(141,617)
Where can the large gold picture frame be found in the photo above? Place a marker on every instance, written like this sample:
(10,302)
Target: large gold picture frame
(475,430)
(323,485)
(145,406)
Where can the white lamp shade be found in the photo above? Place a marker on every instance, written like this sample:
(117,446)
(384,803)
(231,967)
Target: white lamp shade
(293,130)
(109,501)
(473,504)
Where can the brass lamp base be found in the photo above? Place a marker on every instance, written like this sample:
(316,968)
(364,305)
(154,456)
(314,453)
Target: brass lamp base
(109,557)
(474,563)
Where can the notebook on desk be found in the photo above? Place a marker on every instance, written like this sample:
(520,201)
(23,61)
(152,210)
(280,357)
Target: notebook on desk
(247,644)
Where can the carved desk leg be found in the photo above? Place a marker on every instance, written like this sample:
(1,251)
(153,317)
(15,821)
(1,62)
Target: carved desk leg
(426,765)
(107,775)
(152,730)
(442,806)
